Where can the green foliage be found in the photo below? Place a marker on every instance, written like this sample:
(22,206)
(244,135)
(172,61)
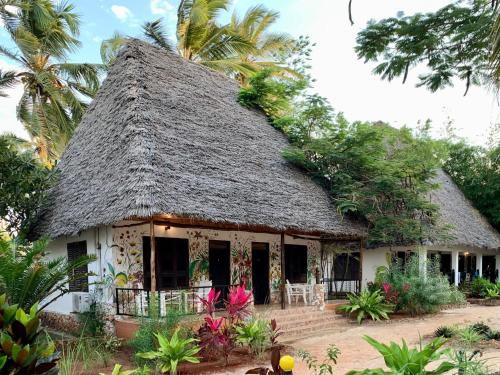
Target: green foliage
(481,328)
(415,293)
(467,364)
(493,335)
(23,349)
(28,276)
(85,351)
(452,42)
(254,333)
(476,171)
(405,361)
(23,182)
(324,367)
(53,101)
(117,370)
(445,332)
(378,173)
(367,304)
(456,296)
(479,287)
(469,336)
(93,321)
(144,339)
(172,352)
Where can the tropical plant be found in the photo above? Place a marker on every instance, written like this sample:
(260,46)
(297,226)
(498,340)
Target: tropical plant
(405,361)
(23,185)
(173,352)
(479,287)
(253,27)
(51,105)
(117,370)
(93,320)
(28,275)
(415,293)
(86,352)
(452,42)
(144,339)
(468,336)
(493,335)
(495,48)
(323,368)
(24,348)
(467,364)
(445,332)
(367,305)
(255,334)
(481,328)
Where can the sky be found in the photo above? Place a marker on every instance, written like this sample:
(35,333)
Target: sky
(348,83)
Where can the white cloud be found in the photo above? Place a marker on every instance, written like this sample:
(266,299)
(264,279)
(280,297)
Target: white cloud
(121,12)
(97,39)
(161,6)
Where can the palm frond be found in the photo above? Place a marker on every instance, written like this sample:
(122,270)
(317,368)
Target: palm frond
(8,79)
(110,47)
(154,32)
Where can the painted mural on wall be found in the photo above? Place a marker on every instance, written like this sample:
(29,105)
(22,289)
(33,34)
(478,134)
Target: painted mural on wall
(241,259)
(127,248)
(198,256)
(313,260)
(275,270)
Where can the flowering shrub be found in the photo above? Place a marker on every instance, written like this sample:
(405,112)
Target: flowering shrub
(218,335)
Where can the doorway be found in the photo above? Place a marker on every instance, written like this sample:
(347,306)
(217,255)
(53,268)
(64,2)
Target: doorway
(296,263)
(489,263)
(172,262)
(219,266)
(260,272)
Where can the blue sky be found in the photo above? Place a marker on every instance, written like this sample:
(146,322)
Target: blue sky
(346,81)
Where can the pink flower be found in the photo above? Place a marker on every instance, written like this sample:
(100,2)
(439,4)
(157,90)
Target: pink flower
(211,300)
(386,287)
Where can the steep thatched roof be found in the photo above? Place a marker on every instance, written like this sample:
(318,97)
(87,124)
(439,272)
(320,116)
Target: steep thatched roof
(166,136)
(469,227)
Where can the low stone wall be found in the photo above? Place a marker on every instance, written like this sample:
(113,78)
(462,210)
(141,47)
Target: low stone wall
(485,301)
(67,323)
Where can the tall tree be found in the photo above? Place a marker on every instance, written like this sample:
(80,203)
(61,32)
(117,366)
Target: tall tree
(453,42)
(254,27)
(51,105)
(23,181)
(202,39)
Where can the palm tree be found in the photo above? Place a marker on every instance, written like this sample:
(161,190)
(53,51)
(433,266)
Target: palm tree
(253,27)
(495,50)
(201,39)
(51,105)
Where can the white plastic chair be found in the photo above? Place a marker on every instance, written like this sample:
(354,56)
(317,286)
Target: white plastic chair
(141,303)
(169,299)
(296,290)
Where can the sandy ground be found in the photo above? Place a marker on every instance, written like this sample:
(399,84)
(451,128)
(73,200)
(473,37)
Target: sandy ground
(358,354)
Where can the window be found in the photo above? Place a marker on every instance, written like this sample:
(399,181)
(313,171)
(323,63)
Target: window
(296,263)
(75,251)
(346,267)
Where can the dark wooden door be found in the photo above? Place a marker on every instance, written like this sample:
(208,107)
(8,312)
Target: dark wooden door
(260,272)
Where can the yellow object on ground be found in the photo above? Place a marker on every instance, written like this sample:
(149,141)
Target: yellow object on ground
(286,363)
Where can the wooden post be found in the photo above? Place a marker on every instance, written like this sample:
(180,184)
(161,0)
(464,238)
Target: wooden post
(361,253)
(153,255)
(282,284)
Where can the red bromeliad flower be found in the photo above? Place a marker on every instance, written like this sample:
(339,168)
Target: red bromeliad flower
(214,325)
(386,287)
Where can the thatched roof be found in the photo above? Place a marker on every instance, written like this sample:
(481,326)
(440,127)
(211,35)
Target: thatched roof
(167,136)
(469,227)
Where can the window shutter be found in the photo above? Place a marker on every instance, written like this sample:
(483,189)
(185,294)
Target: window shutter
(75,251)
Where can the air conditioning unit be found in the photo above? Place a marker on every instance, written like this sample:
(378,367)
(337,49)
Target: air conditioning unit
(81,302)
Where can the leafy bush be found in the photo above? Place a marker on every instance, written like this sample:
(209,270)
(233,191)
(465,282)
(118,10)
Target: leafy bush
(255,334)
(456,296)
(144,339)
(467,364)
(23,347)
(28,277)
(172,352)
(493,335)
(324,367)
(414,292)
(444,331)
(367,304)
(93,321)
(469,336)
(479,287)
(88,351)
(404,361)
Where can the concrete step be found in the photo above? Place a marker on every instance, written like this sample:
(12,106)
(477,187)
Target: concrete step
(311,329)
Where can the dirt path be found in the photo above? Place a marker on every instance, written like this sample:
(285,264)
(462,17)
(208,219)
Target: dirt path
(357,354)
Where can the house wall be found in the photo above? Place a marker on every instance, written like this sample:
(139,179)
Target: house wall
(127,253)
(94,237)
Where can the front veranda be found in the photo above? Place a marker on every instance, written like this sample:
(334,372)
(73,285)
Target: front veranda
(181,262)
